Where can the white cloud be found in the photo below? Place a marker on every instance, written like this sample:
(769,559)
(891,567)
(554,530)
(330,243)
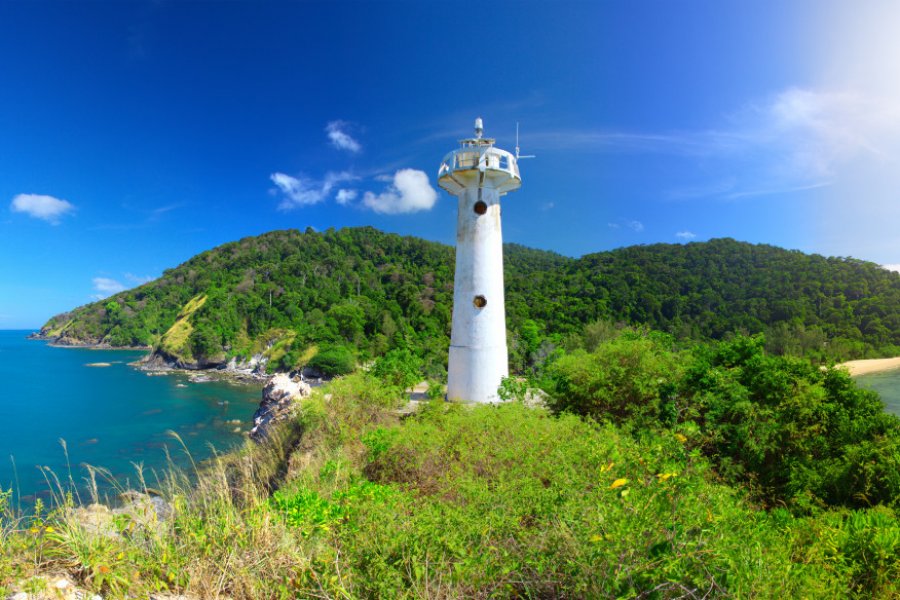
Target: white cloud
(822,130)
(106,287)
(409,192)
(344,197)
(332,179)
(340,139)
(46,208)
(894,267)
(631,224)
(302,191)
(686,235)
(297,192)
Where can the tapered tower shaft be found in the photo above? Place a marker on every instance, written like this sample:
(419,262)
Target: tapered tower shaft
(478,174)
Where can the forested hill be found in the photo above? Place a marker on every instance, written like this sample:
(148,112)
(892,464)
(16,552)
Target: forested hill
(355,293)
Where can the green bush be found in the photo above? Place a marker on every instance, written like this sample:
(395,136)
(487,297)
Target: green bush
(333,360)
(790,431)
(794,432)
(399,368)
(630,378)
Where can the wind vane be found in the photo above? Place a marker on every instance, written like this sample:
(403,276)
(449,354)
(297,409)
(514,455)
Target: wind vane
(517,145)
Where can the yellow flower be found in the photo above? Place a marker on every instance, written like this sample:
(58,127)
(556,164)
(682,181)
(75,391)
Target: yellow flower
(606,468)
(35,530)
(596,539)
(680,438)
(49,530)
(618,483)
(120,556)
(665,476)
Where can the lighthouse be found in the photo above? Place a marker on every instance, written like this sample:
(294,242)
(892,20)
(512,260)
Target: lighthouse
(478,174)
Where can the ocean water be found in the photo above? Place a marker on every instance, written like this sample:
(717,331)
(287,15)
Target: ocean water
(887,384)
(111,417)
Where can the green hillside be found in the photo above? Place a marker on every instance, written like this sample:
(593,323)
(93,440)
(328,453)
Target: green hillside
(356,293)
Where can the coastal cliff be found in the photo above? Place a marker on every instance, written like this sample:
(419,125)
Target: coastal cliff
(280,401)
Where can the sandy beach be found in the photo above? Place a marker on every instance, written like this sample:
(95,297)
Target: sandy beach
(872,365)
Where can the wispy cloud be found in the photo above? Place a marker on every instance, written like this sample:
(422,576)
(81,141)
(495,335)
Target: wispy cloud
(894,267)
(302,191)
(339,137)
(344,197)
(685,235)
(139,279)
(770,191)
(685,143)
(631,224)
(149,217)
(409,192)
(794,140)
(815,129)
(158,212)
(105,287)
(45,208)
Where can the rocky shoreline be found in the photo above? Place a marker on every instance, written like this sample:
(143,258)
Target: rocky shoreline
(280,393)
(280,401)
(68,342)
(156,360)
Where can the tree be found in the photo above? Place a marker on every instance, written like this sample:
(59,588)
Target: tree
(399,368)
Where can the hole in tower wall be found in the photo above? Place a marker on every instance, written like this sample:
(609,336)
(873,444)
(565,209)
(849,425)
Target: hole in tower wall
(480,207)
(479,301)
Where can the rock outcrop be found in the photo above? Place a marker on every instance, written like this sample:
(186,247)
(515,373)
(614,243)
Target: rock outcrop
(160,360)
(280,400)
(142,510)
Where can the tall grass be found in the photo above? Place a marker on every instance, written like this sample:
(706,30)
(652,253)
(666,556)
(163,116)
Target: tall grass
(351,501)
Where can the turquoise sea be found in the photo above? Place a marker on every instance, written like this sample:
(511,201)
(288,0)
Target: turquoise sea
(887,384)
(111,417)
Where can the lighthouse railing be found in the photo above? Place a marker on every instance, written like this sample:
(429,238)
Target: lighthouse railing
(490,158)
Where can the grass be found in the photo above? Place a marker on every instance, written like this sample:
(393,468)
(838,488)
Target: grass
(175,340)
(58,331)
(350,501)
(277,351)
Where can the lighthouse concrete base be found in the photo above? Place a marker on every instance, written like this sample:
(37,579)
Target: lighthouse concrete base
(474,374)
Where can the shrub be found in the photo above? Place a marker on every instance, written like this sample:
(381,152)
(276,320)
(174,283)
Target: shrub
(333,361)
(399,368)
(631,378)
(790,431)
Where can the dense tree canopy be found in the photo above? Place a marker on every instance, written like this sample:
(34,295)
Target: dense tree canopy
(370,292)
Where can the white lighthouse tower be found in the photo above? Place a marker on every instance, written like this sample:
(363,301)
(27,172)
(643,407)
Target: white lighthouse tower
(478,174)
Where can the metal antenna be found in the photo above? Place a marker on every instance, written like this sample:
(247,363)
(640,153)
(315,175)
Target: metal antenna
(517,145)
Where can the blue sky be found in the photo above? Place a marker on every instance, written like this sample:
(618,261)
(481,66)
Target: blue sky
(134,135)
